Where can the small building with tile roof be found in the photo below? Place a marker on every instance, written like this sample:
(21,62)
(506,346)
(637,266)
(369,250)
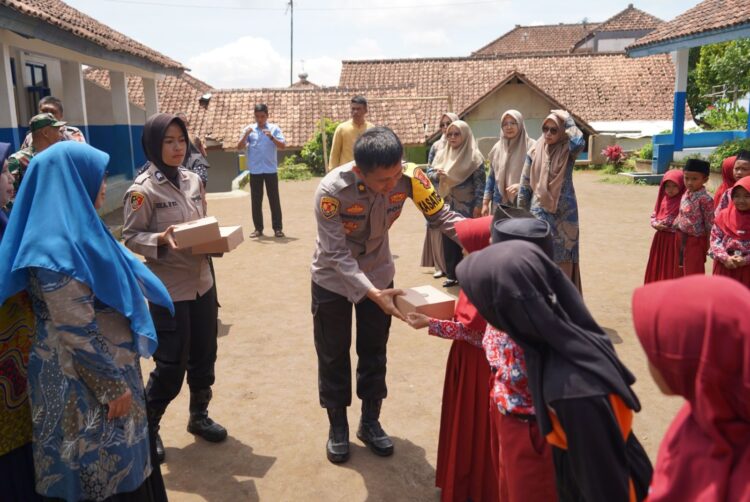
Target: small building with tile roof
(619,31)
(44,46)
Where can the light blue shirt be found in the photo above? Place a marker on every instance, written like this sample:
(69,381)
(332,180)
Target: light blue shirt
(261,151)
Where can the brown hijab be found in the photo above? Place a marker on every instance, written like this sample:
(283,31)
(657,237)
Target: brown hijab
(508,156)
(458,163)
(548,164)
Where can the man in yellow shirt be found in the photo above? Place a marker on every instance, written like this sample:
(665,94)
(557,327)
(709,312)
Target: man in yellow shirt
(342,149)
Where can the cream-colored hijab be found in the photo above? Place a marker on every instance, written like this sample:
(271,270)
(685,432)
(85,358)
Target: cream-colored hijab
(548,164)
(508,156)
(458,163)
(440,144)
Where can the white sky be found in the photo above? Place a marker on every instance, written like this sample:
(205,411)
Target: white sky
(245,43)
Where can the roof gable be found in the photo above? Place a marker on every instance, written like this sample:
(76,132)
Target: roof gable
(557,38)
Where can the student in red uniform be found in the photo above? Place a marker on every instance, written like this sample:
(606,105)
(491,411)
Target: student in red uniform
(581,390)
(663,258)
(695,219)
(730,235)
(696,336)
(733,169)
(523,457)
(464,463)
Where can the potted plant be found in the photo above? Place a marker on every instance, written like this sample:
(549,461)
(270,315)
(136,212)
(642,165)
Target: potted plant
(644,159)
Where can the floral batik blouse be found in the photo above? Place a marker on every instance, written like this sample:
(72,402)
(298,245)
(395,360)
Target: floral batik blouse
(510,385)
(83,357)
(696,213)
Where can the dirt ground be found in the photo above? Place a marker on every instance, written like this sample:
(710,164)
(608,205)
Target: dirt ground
(266,382)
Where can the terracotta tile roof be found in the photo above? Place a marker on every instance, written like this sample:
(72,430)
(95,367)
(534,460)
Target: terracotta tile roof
(174,91)
(707,16)
(65,17)
(630,19)
(595,87)
(550,39)
(298,111)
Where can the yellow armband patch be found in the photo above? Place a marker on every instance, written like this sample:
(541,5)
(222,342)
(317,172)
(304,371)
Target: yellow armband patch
(423,193)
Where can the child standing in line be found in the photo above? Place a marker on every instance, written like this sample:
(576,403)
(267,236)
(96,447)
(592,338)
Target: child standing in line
(464,460)
(733,169)
(523,457)
(695,333)
(695,219)
(663,258)
(730,235)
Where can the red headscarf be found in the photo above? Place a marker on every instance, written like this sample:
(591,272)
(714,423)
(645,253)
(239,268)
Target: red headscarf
(733,222)
(474,234)
(727,176)
(669,206)
(695,332)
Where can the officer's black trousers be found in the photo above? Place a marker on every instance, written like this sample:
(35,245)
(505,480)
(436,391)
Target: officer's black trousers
(332,321)
(187,343)
(256,199)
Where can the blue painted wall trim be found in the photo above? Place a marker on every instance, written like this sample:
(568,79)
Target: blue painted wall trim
(697,40)
(10,135)
(678,119)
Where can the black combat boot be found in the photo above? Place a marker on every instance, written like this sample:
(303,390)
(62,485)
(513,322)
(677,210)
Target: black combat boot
(200,424)
(370,432)
(154,417)
(337,447)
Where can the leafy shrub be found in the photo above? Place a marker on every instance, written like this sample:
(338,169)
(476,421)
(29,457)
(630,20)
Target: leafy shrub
(614,154)
(290,170)
(727,149)
(312,151)
(647,151)
(725,116)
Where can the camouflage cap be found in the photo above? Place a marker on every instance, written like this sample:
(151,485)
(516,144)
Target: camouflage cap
(44,120)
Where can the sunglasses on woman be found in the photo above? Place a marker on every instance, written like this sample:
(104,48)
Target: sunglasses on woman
(453,135)
(552,130)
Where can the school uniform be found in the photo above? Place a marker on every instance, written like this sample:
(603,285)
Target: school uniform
(580,389)
(730,237)
(663,258)
(694,223)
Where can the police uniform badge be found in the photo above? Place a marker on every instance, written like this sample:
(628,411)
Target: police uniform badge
(329,206)
(159,176)
(361,187)
(136,200)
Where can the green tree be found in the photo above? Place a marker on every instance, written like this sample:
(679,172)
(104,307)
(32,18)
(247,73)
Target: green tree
(715,65)
(312,151)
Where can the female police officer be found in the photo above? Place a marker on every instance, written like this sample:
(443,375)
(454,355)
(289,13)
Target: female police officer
(163,195)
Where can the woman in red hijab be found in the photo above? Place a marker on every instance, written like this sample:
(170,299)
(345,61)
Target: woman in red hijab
(696,336)
(663,259)
(465,469)
(727,179)
(730,235)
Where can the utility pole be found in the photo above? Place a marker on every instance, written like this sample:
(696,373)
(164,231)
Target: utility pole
(290,5)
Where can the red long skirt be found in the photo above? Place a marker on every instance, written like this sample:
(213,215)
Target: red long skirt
(694,253)
(523,458)
(663,258)
(741,274)
(464,460)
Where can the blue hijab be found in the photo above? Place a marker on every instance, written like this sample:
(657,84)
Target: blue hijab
(54,226)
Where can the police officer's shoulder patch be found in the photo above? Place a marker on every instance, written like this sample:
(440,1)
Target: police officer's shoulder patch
(135,200)
(159,176)
(424,194)
(329,206)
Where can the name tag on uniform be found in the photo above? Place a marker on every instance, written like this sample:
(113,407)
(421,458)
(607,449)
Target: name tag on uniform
(165,205)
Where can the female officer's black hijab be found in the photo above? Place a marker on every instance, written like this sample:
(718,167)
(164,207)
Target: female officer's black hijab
(153,138)
(521,291)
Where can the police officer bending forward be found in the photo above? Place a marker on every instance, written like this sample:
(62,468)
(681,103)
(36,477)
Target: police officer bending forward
(163,195)
(355,205)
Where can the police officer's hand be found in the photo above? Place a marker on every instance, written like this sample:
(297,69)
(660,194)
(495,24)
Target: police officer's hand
(417,320)
(167,238)
(384,299)
(120,406)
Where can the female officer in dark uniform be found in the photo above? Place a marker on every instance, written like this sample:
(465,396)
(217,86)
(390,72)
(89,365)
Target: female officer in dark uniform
(164,195)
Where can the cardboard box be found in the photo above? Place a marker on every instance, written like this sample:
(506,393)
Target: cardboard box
(192,233)
(427,300)
(231,237)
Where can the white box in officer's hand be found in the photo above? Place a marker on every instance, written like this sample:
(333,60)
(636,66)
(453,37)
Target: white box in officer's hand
(231,237)
(192,233)
(427,300)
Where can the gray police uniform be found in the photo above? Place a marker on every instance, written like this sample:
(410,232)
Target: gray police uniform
(352,256)
(187,341)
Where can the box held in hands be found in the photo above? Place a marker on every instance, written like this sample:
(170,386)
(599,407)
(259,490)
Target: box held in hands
(427,300)
(192,233)
(231,237)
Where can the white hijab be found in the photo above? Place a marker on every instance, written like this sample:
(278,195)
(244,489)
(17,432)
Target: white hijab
(458,163)
(508,156)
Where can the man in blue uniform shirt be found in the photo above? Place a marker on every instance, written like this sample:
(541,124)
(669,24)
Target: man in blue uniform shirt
(262,139)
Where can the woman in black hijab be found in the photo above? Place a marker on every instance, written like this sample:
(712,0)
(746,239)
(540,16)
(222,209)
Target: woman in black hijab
(574,373)
(163,195)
